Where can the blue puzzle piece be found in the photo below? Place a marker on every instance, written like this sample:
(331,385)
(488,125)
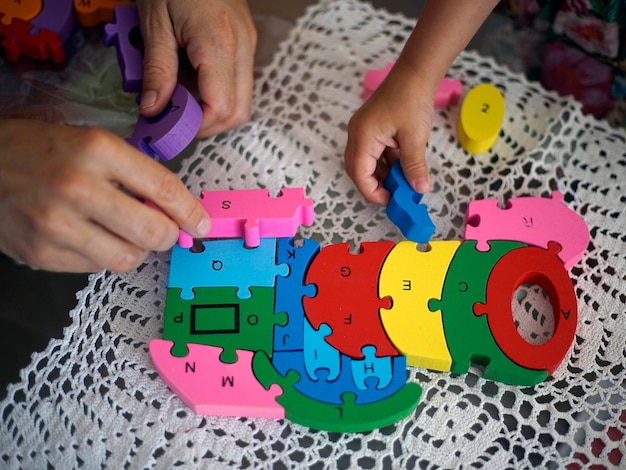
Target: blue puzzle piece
(404,208)
(318,354)
(331,391)
(290,290)
(372,366)
(225,263)
(321,388)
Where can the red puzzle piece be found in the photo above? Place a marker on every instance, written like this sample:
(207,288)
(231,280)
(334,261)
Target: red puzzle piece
(347,297)
(535,266)
(17,41)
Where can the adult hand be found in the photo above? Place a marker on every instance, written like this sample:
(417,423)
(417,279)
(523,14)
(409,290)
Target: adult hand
(67,199)
(220,40)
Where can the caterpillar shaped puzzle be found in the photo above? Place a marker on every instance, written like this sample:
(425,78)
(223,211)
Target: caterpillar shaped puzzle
(258,324)
(323,336)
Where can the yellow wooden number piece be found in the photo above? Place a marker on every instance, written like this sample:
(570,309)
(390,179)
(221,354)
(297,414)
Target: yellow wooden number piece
(482,113)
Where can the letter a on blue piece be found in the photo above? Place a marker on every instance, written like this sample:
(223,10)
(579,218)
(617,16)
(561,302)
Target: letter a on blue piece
(405,209)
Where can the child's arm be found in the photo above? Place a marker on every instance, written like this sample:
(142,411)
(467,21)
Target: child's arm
(396,121)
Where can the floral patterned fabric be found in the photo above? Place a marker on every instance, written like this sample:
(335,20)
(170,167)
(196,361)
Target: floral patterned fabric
(580,51)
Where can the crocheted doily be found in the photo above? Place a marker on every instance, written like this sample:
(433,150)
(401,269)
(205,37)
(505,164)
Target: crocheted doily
(93,398)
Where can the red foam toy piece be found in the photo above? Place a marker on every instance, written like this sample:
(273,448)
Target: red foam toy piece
(543,268)
(347,297)
(18,41)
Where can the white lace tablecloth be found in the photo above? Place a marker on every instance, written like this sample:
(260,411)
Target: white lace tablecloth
(94,400)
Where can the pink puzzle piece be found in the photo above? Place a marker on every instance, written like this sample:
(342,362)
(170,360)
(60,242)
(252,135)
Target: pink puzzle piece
(211,387)
(532,220)
(253,214)
(448,93)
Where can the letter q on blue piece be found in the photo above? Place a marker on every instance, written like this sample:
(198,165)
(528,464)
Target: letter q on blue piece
(405,209)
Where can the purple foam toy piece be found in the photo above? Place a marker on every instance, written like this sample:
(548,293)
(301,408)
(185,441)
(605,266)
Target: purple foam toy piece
(125,22)
(57,16)
(166,135)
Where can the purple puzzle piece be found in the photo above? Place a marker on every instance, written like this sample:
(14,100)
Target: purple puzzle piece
(57,16)
(166,135)
(125,24)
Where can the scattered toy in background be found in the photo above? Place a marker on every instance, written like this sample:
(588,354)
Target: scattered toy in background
(482,113)
(92,12)
(121,32)
(480,119)
(38,29)
(448,93)
(34,29)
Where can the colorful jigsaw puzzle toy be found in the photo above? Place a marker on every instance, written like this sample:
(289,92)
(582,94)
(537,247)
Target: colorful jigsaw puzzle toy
(328,334)
(259,324)
(38,29)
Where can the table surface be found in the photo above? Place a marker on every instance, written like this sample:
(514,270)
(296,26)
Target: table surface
(92,395)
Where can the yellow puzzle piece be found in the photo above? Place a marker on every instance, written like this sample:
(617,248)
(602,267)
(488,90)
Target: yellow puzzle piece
(482,113)
(411,278)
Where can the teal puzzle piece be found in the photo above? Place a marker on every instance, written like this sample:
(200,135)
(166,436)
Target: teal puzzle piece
(318,354)
(225,263)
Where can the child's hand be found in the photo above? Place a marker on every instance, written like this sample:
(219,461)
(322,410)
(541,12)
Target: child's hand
(394,123)
(64,202)
(220,40)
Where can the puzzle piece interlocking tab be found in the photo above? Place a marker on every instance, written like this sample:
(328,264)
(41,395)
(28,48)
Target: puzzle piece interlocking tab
(252,214)
(533,220)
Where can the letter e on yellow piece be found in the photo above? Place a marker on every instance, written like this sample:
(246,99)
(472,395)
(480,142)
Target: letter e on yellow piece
(411,278)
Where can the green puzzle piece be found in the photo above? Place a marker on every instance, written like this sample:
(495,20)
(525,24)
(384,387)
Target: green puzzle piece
(348,417)
(217,317)
(468,336)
